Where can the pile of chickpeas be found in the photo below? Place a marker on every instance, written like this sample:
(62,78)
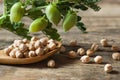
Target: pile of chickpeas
(30,48)
(86,54)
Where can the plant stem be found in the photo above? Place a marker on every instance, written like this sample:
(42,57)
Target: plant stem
(5,8)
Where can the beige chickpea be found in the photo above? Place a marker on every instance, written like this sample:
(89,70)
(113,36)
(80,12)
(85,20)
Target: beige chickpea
(85,59)
(7,51)
(62,49)
(25,41)
(50,40)
(94,47)
(80,51)
(104,42)
(116,56)
(38,44)
(51,63)
(108,68)
(34,38)
(98,59)
(115,48)
(26,54)
(23,47)
(46,49)
(19,54)
(72,54)
(31,47)
(12,53)
(39,52)
(32,54)
(73,43)
(90,52)
(17,43)
(51,46)
(44,41)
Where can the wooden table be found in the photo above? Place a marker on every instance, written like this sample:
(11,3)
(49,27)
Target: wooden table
(104,24)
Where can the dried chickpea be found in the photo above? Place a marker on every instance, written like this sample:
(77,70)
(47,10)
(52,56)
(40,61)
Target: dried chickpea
(85,59)
(39,52)
(62,49)
(80,51)
(32,54)
(23,47)
(37,44)
(51,46)
(31,47)
(115,48)
(94,47)
(104,42)
(108,68)
(7,51)
(19,54)
(72,54)
(34,38)
(73,43)
(116,56)
(26,54)
(12,53)
(44,41)
(90,52)
(98,59)
(51,63)
(46,49)
(17,43)
(25,40)
(51,40)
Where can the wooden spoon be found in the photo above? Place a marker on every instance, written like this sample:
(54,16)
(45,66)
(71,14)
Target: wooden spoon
(5,59)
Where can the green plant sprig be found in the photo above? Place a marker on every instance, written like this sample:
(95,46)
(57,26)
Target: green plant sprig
(36,8)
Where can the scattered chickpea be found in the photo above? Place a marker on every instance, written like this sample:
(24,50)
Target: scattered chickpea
(94,47)
(73,43)
(72,54)
(62,49)
(51,45)
(39,52)
(81,51)
(19,54)
(104,42)
(108,68)
(85,59)
(51,63)
(90,52)
(115,48)
(32,54)
(116,56)
(98,59)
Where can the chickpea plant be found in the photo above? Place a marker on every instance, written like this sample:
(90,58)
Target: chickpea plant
(45,14)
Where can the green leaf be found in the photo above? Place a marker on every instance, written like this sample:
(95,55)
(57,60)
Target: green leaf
(81,26)
(51,32)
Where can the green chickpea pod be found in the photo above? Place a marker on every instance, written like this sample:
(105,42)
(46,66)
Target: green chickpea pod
(16,12)
(38,24)
(53,14)
(69,21)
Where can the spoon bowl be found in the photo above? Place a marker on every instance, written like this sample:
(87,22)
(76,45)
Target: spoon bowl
(5,59)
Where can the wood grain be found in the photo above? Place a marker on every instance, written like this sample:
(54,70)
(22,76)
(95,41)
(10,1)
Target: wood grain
(99,25)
